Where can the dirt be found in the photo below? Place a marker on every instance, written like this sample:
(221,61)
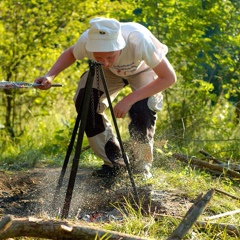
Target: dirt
(31,193)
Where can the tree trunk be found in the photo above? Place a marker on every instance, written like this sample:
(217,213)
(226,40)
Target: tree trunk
(237,110)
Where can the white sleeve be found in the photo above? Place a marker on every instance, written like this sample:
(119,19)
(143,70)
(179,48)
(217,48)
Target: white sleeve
(79,50)
(152,50)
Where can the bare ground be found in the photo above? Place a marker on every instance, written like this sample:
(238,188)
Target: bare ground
(30,193)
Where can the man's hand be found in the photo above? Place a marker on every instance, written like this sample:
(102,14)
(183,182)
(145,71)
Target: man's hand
(121,108)
(65,60)
(44,81)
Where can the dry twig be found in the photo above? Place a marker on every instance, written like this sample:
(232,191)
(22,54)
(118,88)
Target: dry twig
(227,194)
(222,215)
(210,156)
(230,229)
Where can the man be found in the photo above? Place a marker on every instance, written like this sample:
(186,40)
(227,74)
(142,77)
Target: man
(129,54)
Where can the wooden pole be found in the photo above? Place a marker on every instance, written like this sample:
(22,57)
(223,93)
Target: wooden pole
(191,216)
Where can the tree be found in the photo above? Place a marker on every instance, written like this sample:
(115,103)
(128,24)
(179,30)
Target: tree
(203,46)
(29,30)
(33,34)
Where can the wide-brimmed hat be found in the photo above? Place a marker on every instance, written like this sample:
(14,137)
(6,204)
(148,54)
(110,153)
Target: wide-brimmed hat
(105,35)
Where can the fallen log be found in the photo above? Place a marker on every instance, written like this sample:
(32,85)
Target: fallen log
(195,161)
(191,216)
(53,229)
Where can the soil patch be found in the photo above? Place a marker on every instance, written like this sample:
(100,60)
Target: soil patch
(31,193)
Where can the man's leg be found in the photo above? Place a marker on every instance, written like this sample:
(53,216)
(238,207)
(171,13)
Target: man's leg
(142,129)
(98,129)
(142,125)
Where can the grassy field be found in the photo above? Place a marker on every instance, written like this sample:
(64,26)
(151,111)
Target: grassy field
(45,145)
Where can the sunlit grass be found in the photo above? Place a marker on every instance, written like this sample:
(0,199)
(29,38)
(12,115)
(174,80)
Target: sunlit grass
(45,142)
(170,175)
(147,225)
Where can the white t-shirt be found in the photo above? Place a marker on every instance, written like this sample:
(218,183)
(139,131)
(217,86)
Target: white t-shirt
(142,50)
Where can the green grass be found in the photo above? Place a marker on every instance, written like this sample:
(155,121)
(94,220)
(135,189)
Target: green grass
(192,183)
(45,143)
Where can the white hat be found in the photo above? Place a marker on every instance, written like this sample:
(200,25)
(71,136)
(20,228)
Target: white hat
(105,35)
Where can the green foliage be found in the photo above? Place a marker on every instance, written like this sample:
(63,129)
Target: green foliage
(32,39)
(203,41)
(203,47)
(28,48)
(201,110)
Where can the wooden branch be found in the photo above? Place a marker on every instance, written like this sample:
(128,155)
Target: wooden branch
(195,161)
(231,229)
(50,229)
(222,215)
(5,223)
(210,156)
(227,194)
(231,166)
(85,148)
(191,216)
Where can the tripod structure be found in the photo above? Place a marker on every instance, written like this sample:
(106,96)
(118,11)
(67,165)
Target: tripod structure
(79,129)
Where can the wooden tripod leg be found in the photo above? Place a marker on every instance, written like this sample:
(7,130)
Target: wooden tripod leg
(84,111)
